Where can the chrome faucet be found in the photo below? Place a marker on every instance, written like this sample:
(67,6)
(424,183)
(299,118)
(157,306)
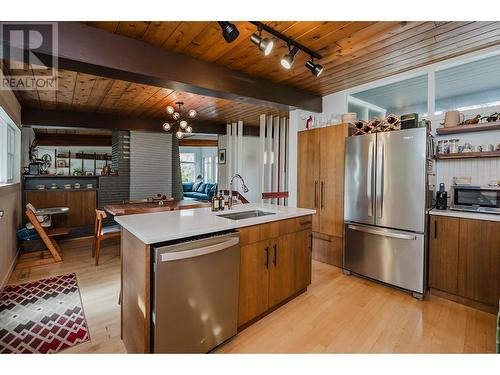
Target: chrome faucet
(230,198)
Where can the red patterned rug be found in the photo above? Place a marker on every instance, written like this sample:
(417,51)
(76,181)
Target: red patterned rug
(44,316)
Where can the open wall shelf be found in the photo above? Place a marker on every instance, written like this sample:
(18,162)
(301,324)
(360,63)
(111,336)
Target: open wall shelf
(469,128)
(469,155)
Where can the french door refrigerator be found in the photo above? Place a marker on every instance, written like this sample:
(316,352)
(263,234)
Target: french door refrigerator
(386,197)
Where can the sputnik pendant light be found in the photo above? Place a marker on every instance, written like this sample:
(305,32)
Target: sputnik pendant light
(176,114)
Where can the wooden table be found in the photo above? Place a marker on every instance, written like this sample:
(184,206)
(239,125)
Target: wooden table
(120,209)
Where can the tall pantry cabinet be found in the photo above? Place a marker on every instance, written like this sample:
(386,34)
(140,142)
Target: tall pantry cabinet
(320,186)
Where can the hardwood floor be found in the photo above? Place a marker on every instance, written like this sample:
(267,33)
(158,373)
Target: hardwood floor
(338,314)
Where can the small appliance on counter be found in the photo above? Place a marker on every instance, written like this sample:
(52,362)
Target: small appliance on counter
(409,121)
(441,198)
(482,199)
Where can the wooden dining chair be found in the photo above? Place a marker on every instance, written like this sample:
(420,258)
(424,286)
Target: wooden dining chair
(102,233)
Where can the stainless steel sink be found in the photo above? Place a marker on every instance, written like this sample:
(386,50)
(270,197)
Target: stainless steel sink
(245,214)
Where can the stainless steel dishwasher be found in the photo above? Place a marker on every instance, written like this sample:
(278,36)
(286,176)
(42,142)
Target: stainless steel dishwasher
(195,292)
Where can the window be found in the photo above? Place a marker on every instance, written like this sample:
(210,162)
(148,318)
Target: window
(406,96)
(10,138)
(468,86)
(188,166)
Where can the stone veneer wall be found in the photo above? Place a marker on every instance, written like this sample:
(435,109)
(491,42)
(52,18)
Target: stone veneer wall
(114,189)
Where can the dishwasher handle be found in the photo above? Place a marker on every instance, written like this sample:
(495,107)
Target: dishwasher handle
(168,257)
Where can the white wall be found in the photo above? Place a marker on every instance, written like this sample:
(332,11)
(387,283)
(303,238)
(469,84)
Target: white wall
(251,168)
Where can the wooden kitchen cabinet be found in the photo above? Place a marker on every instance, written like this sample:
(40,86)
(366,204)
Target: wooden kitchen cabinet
(254,281)
(275,264)
(479,266)
(443,257)
(464,261)
(303,255)
(320,186)
(282,268)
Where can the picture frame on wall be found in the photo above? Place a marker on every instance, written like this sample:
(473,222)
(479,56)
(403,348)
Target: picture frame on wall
(222,156)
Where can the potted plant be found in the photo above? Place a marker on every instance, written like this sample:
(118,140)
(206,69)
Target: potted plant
(78,172)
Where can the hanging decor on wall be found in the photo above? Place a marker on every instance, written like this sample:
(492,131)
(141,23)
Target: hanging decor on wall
(179,119)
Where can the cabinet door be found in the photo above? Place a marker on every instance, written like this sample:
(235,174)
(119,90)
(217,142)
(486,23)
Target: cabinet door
(303,248)
(308,172)
(443,253)
(254,281)
(282,268)
(328,249)
(331,202)
(47,199)
(480,261)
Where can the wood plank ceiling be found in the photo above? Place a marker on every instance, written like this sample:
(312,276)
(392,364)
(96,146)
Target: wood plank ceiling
(353,53)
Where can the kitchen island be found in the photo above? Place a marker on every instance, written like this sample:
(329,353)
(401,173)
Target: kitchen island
(274,262)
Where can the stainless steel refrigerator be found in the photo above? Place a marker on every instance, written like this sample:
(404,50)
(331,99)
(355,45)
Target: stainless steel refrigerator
(386,198)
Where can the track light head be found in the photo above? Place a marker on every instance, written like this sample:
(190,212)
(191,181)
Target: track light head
(287,60)
(229,31)
(265,44)
(315,69)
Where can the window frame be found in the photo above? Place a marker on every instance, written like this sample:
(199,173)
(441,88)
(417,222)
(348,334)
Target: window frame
(10,150)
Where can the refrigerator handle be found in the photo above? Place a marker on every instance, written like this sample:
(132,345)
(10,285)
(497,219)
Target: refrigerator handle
(369,179)
(380,179)
(385,233)
(315,194)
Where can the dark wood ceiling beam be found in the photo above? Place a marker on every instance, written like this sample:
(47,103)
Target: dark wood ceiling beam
(94,51)
(50,139)
(90,120)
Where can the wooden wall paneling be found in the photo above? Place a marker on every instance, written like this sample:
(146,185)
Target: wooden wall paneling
(443,253)
(136,304)
(479,261)
(99,91)
(183,35)
(158,32)
(331,166)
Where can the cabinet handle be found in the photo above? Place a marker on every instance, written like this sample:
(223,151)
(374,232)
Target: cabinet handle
(322,194)
(435,229)
(315,194)
(275,255)
(267,257)
(310,241)
(305,222)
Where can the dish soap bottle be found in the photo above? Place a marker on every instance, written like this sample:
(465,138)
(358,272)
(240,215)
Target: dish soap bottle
(221,201)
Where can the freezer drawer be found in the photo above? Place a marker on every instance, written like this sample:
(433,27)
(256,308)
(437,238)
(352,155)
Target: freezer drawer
(196,294)
(391,256)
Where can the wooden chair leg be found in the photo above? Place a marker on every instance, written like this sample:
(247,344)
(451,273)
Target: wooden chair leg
(97,250)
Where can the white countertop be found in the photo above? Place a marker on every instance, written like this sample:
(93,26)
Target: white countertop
(170,225)
(465,214)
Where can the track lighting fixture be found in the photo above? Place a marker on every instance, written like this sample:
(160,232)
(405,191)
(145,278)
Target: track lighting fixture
(265,44)
(167,126)
(315,69)
(287,60)
(229,31)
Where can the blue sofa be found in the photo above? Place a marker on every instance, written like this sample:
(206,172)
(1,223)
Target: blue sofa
(204,192)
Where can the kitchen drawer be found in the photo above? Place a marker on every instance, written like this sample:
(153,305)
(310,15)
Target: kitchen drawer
(303,222)
(327,249)
(249,235)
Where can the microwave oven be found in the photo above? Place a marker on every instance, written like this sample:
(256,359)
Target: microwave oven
(476,199)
